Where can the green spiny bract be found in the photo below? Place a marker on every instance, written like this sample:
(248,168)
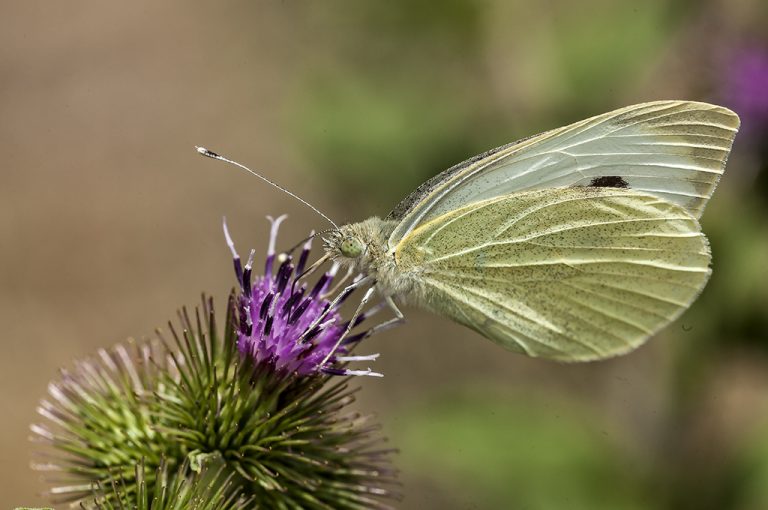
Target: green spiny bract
(283,442)
(179,490)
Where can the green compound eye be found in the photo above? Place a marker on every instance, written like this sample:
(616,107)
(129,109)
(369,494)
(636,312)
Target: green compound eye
(351,247)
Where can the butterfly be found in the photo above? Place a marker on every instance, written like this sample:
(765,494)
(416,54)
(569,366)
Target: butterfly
(576,244)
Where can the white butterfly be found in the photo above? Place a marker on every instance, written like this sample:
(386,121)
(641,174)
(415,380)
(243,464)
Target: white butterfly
(576,244)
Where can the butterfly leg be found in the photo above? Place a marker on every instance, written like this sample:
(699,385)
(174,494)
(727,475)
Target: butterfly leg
(364,301)
(336,301)
(399,318)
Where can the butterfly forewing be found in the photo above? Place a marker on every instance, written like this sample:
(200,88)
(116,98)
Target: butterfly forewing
(574,274)
(675,150)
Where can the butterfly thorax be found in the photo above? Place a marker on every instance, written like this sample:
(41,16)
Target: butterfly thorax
(364,248)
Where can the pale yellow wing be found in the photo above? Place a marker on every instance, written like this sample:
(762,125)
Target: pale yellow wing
(571,274)
(675,150)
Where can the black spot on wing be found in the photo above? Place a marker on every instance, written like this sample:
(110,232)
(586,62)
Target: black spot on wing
(609,181)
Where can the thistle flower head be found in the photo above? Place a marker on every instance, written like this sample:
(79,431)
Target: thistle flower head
(288,326)
(257,402)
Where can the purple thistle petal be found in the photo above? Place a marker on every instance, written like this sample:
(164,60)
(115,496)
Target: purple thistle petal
(265,306)
(351,339)
(274,227)
(246,275)
(275,314)
(235,256)
(320,285)
(305,254)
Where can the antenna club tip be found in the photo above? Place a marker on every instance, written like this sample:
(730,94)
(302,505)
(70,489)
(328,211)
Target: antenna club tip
(206,152)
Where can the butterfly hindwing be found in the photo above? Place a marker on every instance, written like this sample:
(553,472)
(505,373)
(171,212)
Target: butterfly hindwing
(574,273)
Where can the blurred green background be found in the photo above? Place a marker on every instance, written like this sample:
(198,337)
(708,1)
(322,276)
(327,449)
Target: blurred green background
(109,221)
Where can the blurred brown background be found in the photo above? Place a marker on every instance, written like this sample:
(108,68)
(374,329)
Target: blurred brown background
(109,221)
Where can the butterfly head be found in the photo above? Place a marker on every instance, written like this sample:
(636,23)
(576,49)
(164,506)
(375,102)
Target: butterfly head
(361,246)
(347,244)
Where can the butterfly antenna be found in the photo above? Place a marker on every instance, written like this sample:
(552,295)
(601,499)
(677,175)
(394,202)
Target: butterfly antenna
(311,236)
(213,155)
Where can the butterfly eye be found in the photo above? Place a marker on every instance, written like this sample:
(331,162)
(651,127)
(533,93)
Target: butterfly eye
(351,247)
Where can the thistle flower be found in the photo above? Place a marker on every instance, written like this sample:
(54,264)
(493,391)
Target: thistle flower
(259,403)
(287,329)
